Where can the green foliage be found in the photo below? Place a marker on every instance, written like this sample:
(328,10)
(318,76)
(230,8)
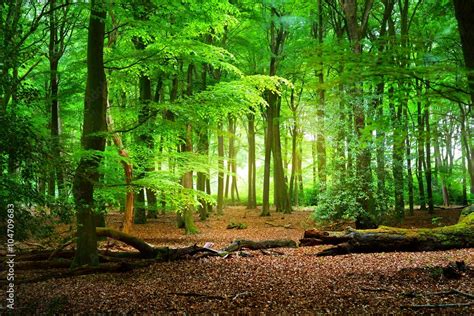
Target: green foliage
(335,204)
(234,225)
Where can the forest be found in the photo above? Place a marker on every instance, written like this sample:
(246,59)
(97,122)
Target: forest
(237,156)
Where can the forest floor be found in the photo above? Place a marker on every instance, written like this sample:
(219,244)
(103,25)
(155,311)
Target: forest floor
(288,281)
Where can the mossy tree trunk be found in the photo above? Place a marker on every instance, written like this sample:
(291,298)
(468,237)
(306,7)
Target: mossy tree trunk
(389,239)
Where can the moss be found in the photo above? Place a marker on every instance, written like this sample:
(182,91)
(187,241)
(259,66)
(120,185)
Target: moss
(447,235)
(189,225)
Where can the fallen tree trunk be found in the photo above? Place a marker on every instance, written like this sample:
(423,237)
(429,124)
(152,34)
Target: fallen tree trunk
(257,245)
(171,254)
(389,239)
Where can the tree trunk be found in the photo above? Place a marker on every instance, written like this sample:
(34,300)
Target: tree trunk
(267,163)
(187,180)
(356,32)
(282,200)
(54,55)
(128,171)
(320,139)
(464,11)
(420,146)
(467,145)
(94,127)
(203,149)
(220,168)
(389,239)
(427,166)
(397,155)
(440,166)
(252,167)
(411,201)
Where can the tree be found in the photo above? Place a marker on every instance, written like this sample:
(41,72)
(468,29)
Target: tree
(463,11)
(278,34)
(356,31)
(93,138)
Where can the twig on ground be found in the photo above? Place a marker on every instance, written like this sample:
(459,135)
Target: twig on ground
(192,294)
(287,226)
(453,291)
(438,305)
(246,293)
(375,289)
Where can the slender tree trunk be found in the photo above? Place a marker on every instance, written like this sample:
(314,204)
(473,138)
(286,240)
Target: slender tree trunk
(252,167)
(441,166)
(54,56)
(420,147)
(466,145)
(128,171)
(203,149)
(314,156)
(282,201)
(220,168)
(267,163)
(411,202)
(464,180)
(187,180)
(429,185)
(145,98)
(94,125)
(320,139)
(397,155)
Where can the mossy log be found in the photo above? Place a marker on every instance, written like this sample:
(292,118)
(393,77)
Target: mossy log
(389,239)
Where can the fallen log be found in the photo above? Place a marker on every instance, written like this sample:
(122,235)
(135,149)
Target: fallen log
(389,239)
(257,245)
(171,254)
(326,238)
(385,239)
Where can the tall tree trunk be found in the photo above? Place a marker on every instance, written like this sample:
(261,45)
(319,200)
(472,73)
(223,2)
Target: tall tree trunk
(464,11)
(427,166)
(420,146)
(356,32)
(320,138)
(314,156)
(411,201)
(397,155)
(203,149)
(466,145)
(94,127)
(441,166)
(220,168)
(267,163)
(146,139)
(128,171)
(282,200)
(252,167)
(187,180)
(53,95)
